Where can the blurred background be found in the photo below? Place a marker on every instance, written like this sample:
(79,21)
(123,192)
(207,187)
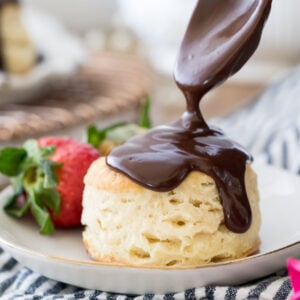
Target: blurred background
(145,35)
(152,29)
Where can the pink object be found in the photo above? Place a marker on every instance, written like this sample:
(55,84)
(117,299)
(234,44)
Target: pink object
(293,266)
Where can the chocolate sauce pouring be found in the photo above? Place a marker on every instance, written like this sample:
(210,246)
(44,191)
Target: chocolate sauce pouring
(220,38)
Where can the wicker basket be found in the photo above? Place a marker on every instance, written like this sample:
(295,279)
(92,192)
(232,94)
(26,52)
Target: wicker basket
(108,88)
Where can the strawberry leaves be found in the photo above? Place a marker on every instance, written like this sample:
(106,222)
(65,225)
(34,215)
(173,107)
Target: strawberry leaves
(97,136)
(145,120)
(11,160)
(120,131)
(34,183)
(40,214)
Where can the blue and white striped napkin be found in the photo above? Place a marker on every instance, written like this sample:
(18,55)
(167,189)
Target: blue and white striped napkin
(270,129)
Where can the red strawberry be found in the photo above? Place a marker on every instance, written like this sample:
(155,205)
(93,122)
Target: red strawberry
(49,173)
(76,158)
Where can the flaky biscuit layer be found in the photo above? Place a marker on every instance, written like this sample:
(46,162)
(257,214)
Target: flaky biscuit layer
(128,224)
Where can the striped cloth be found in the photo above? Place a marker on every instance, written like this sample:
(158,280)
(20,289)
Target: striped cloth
(270,128)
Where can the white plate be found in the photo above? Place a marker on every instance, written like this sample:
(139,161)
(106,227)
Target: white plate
(62,54)
(62,256)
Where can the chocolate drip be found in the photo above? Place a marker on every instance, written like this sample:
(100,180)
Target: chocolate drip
(162,158)
(220,38)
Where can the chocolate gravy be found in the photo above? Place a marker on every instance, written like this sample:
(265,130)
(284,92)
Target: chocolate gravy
(220,38)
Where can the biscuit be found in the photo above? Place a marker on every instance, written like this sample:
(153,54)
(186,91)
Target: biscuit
(126,224)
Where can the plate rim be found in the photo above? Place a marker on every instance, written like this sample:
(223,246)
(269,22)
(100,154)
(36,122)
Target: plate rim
(53,258)
(91,263)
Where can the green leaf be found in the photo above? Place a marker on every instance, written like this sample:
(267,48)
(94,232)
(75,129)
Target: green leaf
(11,160)
(33,150)
(12,199)
(121,134)
(18,212)
(50,178)
(51,199)
(96,136)
(47,151)
(34,174)
(11,205)
(17,183)
(41,216)
(145,120)
(113,126)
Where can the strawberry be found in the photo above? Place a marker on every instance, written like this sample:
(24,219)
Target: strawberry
(49,173)
(76,158)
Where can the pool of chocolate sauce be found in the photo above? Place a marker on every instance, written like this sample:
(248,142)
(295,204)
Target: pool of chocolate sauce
(220,38)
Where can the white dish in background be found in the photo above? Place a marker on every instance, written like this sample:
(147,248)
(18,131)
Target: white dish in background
(63,257)
(79,15)
(62,54)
